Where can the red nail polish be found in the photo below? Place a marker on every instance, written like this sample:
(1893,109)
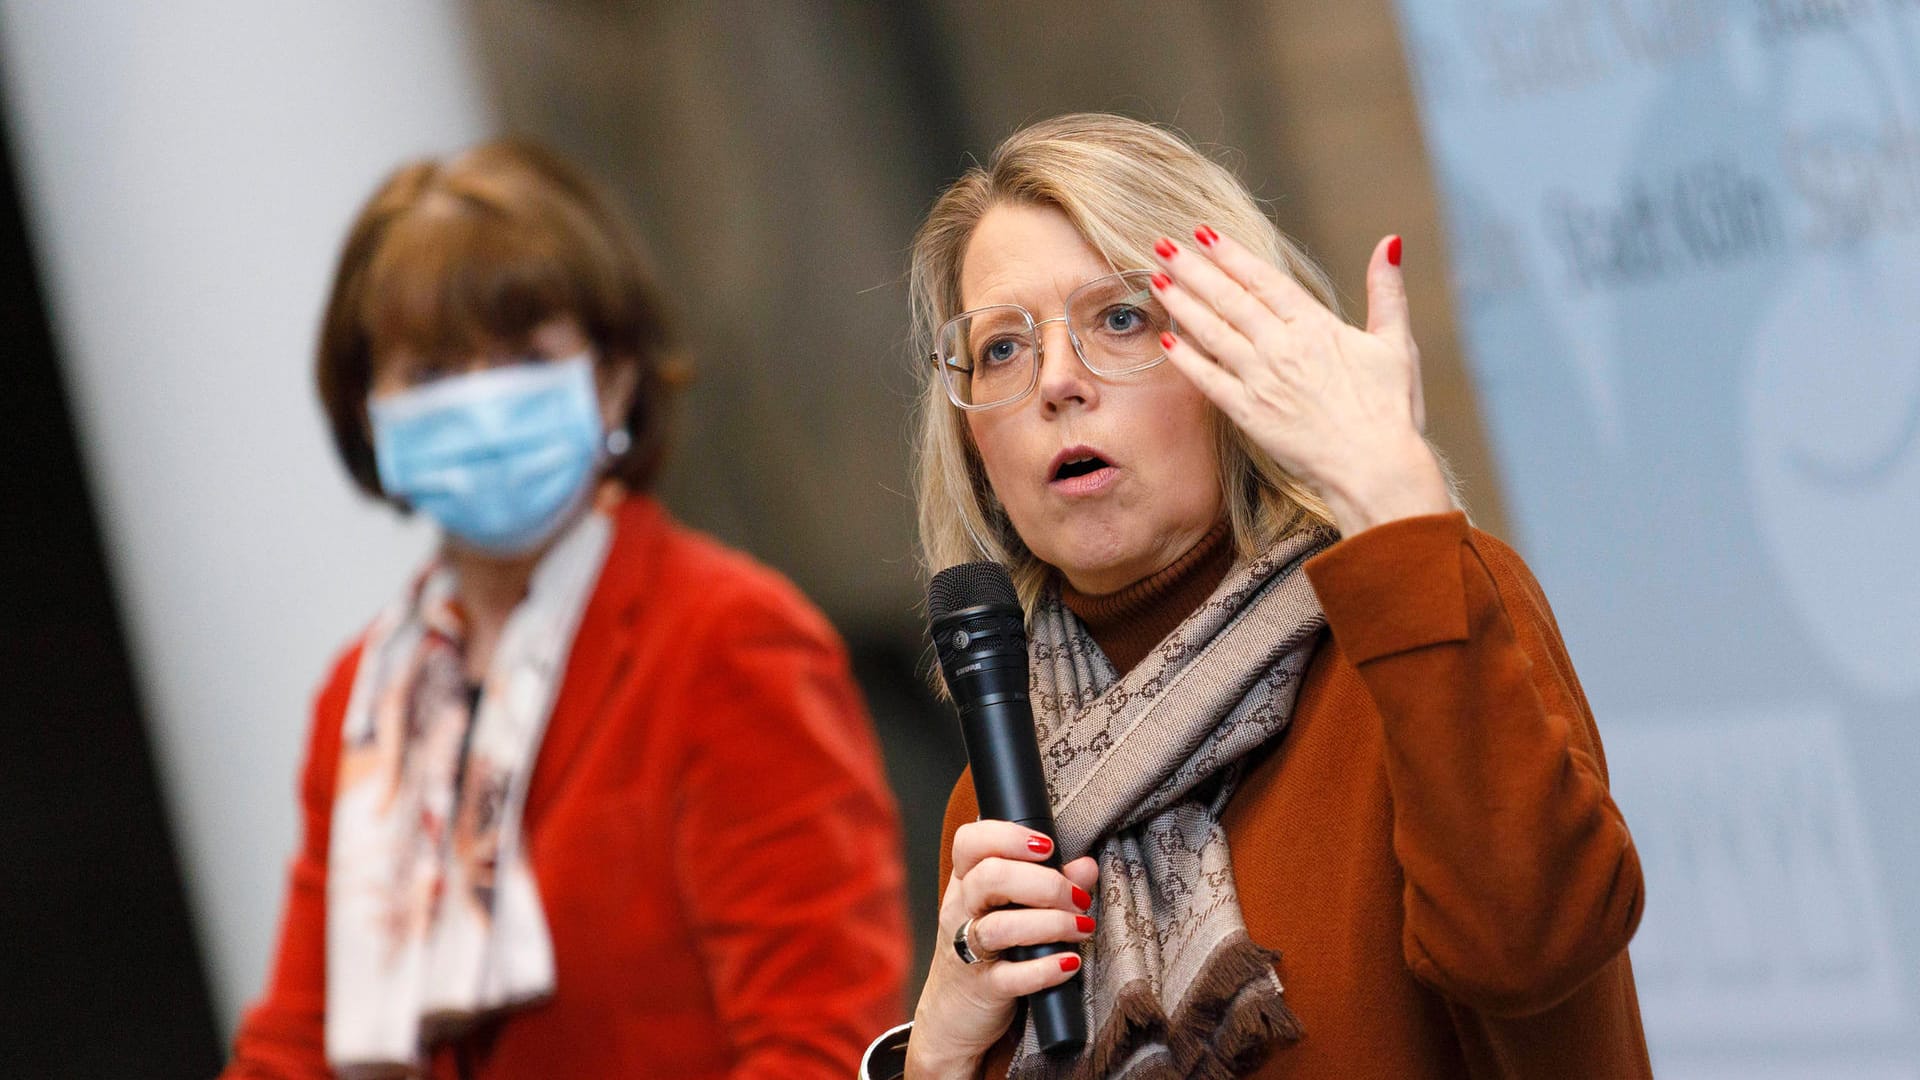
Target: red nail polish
(1161,281)
(1166,340)
(1084,922)
(1206,236)
(1070,962)
(1393,251)
(1038,844)
(1082,899)
(1164,248)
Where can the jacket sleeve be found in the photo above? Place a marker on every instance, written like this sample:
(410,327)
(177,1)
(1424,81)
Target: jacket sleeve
(282,1035)
(961,809)
(786,850)
(1521,879)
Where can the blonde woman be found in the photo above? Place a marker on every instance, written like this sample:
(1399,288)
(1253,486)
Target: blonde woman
(1330,797)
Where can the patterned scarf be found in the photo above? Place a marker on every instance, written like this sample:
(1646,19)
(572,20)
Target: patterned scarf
(433,919)
(1140,770)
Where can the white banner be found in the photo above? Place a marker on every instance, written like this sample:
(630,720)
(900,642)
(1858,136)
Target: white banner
(1683,241)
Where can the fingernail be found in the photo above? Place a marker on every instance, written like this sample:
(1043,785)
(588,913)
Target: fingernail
(1166,340)
(1082,899)
(1038,844)
(1393,251)
(1161,281)
(1164,248)
(1206,236)
(1084,922)
(1070,962)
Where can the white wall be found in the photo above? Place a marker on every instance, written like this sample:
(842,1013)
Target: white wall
(189,169)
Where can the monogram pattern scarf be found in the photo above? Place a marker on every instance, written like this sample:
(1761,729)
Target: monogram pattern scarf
(1140,770)
(433,919)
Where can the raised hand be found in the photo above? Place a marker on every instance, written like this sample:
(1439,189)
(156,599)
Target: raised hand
(1338,406)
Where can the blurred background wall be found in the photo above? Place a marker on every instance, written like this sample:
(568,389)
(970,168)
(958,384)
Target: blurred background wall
(185,174)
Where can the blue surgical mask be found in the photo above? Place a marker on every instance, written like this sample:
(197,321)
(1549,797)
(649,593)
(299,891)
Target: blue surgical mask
(501,458)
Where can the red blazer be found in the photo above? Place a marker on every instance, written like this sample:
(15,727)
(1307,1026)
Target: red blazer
(710,828)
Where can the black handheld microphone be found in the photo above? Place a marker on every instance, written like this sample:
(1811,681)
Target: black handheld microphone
(980,634)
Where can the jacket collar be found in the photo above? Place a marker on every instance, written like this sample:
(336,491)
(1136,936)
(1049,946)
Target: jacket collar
(603,645)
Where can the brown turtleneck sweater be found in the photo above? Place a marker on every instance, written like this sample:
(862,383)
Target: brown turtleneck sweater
(1129,623)
(1431,846)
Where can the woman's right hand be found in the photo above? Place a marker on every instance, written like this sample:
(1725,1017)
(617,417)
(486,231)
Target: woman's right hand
(965,1008)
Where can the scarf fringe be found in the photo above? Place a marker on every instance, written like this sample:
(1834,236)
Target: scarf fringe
(1223,1032)
(1222,1029)
(1135,1021)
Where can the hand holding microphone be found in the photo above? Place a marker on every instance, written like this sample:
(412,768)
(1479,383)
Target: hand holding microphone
(1012,914)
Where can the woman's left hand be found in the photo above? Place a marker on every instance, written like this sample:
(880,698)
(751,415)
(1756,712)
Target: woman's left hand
(1337,406)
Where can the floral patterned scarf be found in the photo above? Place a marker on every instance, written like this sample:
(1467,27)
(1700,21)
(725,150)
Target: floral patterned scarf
(433,920)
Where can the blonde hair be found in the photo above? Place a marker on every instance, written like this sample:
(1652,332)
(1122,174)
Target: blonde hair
(1123,183)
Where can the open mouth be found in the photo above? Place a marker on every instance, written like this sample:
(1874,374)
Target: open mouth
(1080,466)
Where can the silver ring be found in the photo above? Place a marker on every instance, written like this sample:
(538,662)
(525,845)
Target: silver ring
(964,947)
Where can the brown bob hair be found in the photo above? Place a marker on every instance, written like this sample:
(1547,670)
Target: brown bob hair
(456,258)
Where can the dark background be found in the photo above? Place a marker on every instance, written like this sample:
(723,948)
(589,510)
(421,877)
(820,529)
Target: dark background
(99,974)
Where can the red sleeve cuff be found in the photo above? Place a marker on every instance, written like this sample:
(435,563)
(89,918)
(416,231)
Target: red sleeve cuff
(1394,587)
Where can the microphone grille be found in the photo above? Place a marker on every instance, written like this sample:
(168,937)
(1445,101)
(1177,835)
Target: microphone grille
(969,585)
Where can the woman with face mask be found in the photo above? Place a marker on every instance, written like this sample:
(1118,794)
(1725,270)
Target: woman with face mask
(593,795)
(1329,799)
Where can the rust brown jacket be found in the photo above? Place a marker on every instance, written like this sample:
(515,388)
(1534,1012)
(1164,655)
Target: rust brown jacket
(1431,846)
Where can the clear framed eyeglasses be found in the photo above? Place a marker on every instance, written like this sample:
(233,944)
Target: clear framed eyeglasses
(991,356)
